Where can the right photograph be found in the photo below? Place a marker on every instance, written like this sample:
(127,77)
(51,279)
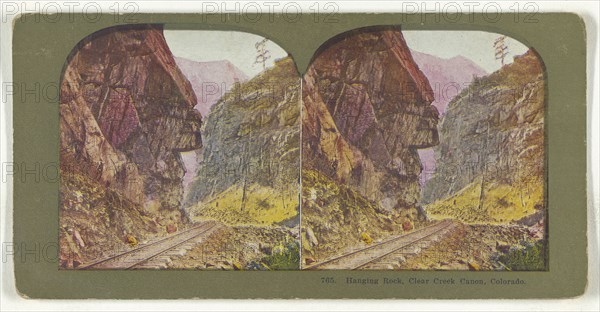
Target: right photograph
(424,150)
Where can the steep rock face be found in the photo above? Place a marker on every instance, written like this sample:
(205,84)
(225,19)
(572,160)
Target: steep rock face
(249,167)
(366,112)
(210,81)
(448,77)
(492,146)
(126,111)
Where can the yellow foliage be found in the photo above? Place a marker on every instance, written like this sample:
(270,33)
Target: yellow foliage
(502,203)
(131,240)
(262,206)
(366,237)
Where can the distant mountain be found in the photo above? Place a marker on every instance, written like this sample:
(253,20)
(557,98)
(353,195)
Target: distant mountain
(210,80)
(447,78)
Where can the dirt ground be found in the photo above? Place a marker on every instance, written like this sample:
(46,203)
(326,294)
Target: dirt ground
(235,248)
(467,247)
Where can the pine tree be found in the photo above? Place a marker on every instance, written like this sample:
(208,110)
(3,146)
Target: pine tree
(262,53)
(501,48)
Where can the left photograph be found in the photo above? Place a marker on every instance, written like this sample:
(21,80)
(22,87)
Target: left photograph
(179,149)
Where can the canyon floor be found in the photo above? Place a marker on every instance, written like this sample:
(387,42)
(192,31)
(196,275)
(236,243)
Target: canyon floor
(472,247)
(243,248)
(463,247)
(435,245)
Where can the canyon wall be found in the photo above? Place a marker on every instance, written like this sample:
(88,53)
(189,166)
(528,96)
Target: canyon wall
(448,77)
(491,155)
(367,109)
(249,169)
(210,81)
(367,112)
(126,113)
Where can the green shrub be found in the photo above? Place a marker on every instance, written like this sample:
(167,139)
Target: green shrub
(531,257)
(284,257)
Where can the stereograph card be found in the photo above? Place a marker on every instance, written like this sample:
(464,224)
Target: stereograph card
(360,156)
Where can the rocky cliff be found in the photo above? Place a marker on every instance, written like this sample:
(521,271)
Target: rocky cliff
(448,77)
(249,167)
(210,81)
(126,112)
(367,109)
(491,155)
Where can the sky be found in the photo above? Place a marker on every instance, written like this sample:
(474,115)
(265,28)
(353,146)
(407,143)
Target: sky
(238,47)
(477,46)
(210,45)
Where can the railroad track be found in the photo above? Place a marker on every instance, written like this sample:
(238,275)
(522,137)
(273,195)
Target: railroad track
(371,255)
(155,254)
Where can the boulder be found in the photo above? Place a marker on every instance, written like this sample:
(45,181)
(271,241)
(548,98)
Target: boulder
(502,247)
(171,228)
(310,235)
(473,266)
(78,239)
(407,225)
(365,237)
(131,240)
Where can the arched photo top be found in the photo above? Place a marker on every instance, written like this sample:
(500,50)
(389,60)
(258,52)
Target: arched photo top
(479,46)
(174,130)
(440,62)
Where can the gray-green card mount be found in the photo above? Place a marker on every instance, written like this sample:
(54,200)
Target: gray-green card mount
(548,260)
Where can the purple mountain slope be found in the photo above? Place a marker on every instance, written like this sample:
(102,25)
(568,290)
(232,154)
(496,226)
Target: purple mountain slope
(210,80)
(447,78)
